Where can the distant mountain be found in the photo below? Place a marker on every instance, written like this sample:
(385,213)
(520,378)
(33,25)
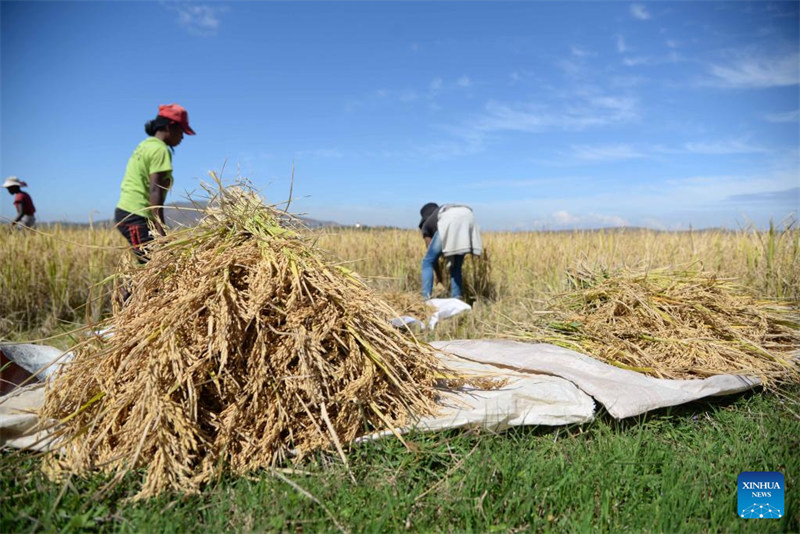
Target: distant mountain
(188,214)
(183,213)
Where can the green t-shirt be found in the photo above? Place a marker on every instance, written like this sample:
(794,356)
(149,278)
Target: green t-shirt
(151,156)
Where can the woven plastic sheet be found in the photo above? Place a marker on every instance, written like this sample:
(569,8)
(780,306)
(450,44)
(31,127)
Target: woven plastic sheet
(539,384)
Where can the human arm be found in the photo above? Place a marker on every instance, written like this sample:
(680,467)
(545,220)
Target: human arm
(20,214)
(159,184)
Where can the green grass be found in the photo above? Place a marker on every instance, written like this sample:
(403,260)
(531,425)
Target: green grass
(671,471)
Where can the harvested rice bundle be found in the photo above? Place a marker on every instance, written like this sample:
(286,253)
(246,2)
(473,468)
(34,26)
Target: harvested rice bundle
(411,304)
(673,324)
(239,347)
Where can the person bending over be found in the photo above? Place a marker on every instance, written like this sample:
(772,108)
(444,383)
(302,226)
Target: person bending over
(22,201)
(448,231)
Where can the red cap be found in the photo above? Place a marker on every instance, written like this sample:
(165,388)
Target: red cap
(178,114)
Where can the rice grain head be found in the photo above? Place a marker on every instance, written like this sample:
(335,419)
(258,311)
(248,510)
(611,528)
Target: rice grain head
(673,323)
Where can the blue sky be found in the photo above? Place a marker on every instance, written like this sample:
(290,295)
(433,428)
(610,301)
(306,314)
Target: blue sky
(540,115)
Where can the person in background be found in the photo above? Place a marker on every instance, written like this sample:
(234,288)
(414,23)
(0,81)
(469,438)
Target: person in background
(148,177)
(448,231)
(22,201)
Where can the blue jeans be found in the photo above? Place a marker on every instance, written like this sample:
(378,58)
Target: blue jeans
(428,263)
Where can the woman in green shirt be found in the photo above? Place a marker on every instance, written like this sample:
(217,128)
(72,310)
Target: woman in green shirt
(148,177)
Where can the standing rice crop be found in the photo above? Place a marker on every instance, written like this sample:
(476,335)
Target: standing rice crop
(50,274)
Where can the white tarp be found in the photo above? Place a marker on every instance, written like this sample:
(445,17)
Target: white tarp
(524,399)
(544,385)
(623,393)
(18,419)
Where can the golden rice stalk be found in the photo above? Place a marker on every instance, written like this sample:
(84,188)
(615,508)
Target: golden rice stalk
(241,346)
(477,279)
(411,304)
(673,324)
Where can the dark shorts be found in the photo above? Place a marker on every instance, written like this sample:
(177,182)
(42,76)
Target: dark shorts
(136,230)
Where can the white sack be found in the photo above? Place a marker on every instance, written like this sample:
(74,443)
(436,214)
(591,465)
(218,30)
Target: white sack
(39,360)
(446,308)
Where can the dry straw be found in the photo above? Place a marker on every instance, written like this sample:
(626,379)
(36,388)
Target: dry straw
(672,323)
(240,347)
(411,304)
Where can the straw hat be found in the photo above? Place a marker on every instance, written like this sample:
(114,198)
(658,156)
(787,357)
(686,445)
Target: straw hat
(12,181)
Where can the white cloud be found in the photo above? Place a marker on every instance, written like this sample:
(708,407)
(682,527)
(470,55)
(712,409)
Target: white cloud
(734,146)
(448,149)
(624,106)
(577,112)
(788,196)
(564,218)
(635,61)
(750,71)
(571,68)
(519,184)
(198,19)
(788,116)
(320,153)
(712,182)
(580,52)
(606,152)
(671,57)
(627,82)
(608,220)
(638,11)
(590,201)
(408,96)
(621,47)
(703,200)
(424,94)
(614,152)
(756,196)
(585,112)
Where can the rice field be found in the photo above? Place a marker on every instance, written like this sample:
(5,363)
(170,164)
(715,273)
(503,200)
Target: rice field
(56,278)
(603,476)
